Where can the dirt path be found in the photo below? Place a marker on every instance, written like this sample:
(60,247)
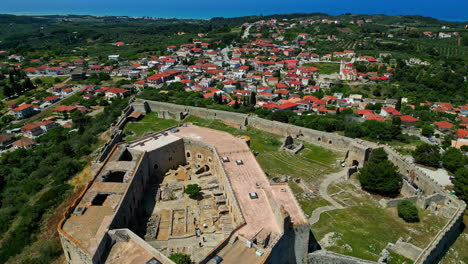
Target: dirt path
(323,191)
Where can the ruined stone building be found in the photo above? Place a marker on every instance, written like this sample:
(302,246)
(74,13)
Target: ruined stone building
(135,209)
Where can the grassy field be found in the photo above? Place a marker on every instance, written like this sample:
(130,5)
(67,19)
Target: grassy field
(311,164)
(367,228)
(150,123)
(325,68)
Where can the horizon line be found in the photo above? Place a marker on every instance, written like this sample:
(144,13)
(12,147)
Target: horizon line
(460,20)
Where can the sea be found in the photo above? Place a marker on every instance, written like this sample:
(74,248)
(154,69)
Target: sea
(449,10)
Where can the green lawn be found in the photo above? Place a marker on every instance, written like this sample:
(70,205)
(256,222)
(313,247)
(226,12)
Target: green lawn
(325,68)
(296,189)
(311,164)
(367,228)
(398,259)
(309,204)
(150,123)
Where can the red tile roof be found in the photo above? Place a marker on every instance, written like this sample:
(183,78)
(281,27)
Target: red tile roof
(64,108)
(29,127)
(24,142)
(443,124)
(22,107)
(408,119)
(286,105)
(462,133)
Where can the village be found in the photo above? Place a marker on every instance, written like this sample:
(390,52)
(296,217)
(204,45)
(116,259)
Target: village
(278,74)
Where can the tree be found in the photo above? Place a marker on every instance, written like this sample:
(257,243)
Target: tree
(8,91)
(396,127)
(28,85)
(80,120)
(453,159)
(193,190)
(236,104)
(398,104)
(427,130)
(38,81)
(408,211)
(380,176)
(253,98)
(427,154)
(180,258)
(461,183)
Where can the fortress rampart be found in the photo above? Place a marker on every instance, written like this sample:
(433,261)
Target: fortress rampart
(357,152)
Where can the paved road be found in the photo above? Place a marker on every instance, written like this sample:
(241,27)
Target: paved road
(247,32)
(225,52)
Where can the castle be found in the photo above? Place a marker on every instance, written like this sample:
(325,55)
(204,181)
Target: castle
(135,211)
(145,217)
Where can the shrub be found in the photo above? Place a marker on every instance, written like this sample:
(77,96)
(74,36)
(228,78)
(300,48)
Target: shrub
(180,258)
(408,211)
(193,190)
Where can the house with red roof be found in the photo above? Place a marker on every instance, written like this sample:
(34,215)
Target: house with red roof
(462,133)
(115,93)
(389,111)
(464,110)
(462,138)
(31,130)
(23,111)
(140,85)
(157,78)
(265,96)
(286,106)
(55,71)
(52,99)
(64,108)
(443,126)
(282,92)
(6,140)
(25,143)
(408,121)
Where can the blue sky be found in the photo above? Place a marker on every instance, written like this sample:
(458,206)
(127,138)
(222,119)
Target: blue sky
(448,9)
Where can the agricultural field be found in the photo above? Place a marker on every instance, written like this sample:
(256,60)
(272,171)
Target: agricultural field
(325,68)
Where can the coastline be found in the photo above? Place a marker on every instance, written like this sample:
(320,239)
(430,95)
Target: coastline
(197,15)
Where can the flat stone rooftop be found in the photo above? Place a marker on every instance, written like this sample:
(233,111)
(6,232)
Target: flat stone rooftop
(245,179)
